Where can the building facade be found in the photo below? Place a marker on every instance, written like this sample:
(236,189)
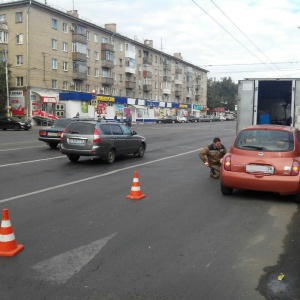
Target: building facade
(50,53)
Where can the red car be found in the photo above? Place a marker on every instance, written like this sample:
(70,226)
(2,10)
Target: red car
(263,158)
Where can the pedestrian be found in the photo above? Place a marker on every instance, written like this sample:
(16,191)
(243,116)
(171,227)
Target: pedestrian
(116,118)
(128,120)
(212,156)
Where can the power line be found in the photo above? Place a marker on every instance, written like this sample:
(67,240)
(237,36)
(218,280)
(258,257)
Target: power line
(244,35)
(231,35)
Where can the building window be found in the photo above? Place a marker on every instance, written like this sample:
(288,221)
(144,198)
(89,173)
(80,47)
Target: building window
(19,39)
(140,53)
(65,66)
(19,81)
(3,18)
(120,78)
(120,62)
(65,47)
(104,40)
(54,83)
(65,27)
(96,55)
(54,63)
(113,91)
(3,37)
(87,88)
(96,38)
(19,60)
(65,85)
(19,17)
(88,35)
(77,86)
(54,24)
(54,44)
(88,71)
(96,72)
(120,92)
(120,46)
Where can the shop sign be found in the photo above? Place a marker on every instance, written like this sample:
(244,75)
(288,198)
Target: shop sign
(105,99)
(182,105)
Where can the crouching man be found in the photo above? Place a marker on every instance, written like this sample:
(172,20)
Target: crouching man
(212,156)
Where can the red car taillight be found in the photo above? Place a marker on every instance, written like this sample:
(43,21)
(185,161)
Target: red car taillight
(227,163)
(295,168)
(42,132)
(62,135)
(96,136)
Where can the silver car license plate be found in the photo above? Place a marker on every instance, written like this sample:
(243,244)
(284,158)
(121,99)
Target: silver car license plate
(259,169)
(76,141)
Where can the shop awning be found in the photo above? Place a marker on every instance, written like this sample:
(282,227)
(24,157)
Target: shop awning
(137,106)
(47,97)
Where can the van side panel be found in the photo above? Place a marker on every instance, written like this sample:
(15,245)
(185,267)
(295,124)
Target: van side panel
(245,105)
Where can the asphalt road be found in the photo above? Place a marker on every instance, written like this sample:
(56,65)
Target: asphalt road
(84,240)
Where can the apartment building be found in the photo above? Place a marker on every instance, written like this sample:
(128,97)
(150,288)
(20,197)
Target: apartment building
(55,57)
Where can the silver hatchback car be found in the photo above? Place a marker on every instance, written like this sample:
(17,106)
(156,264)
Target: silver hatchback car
(106,140)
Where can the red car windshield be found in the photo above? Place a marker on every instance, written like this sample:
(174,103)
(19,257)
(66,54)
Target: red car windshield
(265,140)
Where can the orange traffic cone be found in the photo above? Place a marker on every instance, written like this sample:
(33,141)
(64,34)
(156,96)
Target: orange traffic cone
(135,193)
(8,244)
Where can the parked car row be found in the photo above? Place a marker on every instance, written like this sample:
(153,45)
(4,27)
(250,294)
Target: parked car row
(189,119)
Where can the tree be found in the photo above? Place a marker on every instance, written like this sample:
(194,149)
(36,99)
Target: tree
(3,92)
(222,93)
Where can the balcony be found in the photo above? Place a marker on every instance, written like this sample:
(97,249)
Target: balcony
(147,61)
(107,47)
(197,87)
(166,67)
(178,93)
(147,87)
(166,91)
(178,71)
(107,80)
(147,74)
(79,56)
(197,97)
(167,78)
(79,75)
(130,84)
(79,38)
(107,64)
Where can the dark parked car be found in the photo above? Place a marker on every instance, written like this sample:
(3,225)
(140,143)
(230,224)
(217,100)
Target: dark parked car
(168,119)
(51,135)
(192,119)
(100,138)
(263,158)
(14,123)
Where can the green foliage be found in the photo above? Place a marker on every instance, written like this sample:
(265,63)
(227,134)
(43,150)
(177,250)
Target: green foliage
(3,93)
(222,93)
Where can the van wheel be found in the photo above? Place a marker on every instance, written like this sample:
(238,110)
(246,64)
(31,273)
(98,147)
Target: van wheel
(141,151)
(111,156)
(225,190)
(73,158)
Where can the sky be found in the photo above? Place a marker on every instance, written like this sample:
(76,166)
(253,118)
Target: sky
(229,38)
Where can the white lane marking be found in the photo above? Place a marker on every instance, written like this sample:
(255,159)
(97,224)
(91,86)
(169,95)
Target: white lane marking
(93,177)
(30,161)
(62,267)
(4,150)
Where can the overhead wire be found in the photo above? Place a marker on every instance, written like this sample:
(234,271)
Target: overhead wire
(244,35)
(232,36)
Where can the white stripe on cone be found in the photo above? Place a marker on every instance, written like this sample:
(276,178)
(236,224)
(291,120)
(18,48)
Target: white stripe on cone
(6,224)
(7,237)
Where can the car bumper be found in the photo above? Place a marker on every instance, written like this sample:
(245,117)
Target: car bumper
(49,140)
(283,185)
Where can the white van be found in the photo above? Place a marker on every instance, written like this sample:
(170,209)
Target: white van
(229,117)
